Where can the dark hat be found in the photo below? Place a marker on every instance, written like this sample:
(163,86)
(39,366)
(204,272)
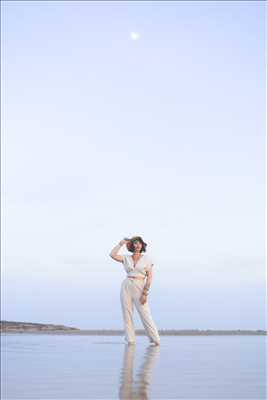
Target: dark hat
(129,244)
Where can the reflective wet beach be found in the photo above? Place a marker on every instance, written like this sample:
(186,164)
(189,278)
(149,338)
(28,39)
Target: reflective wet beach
(104,367)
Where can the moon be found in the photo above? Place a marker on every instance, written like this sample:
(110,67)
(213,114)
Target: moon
(135,35)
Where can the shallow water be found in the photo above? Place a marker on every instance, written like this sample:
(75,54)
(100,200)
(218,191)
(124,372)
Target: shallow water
(104,367)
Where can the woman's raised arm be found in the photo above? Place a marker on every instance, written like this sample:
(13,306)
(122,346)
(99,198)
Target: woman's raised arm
(114,252)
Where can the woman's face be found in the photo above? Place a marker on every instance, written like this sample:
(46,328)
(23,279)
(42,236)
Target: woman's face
(137,245)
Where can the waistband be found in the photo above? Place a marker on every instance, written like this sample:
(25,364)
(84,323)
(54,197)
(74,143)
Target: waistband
(136,278)
(140,283)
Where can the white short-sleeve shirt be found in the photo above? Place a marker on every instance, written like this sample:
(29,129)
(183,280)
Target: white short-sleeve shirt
(143,265)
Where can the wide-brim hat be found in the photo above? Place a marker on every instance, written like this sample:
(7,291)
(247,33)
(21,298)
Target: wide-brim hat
(132,239)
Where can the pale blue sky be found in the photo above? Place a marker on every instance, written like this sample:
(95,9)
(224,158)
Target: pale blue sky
(105,137)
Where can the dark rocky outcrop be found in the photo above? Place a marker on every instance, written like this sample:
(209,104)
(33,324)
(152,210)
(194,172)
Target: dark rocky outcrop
(12,326)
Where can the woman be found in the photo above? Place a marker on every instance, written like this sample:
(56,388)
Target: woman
(134,288)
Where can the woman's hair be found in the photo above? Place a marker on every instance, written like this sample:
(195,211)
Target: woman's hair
(130,245)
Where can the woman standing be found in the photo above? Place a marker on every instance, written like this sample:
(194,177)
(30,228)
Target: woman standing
(135,287)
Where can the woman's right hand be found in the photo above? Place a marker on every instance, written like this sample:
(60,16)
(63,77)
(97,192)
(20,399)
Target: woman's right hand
(123,241)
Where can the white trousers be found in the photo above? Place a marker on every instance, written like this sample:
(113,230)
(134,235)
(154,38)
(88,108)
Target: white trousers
(130,293)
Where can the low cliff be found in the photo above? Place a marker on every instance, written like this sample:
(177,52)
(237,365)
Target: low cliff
(12,326)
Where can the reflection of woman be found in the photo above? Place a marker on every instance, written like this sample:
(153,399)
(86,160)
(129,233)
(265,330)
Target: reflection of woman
(138,389)
(134,288)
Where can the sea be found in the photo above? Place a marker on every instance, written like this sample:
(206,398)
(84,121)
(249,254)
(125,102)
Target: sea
(46,366)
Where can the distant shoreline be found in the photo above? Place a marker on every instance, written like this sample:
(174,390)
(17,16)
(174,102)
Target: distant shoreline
(121,333)
(9,327)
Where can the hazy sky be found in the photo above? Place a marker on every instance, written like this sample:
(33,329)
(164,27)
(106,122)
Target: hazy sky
(133,118)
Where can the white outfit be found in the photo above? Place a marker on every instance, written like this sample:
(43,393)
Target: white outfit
(130,293)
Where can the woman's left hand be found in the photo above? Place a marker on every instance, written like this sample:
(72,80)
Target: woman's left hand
(143,299)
